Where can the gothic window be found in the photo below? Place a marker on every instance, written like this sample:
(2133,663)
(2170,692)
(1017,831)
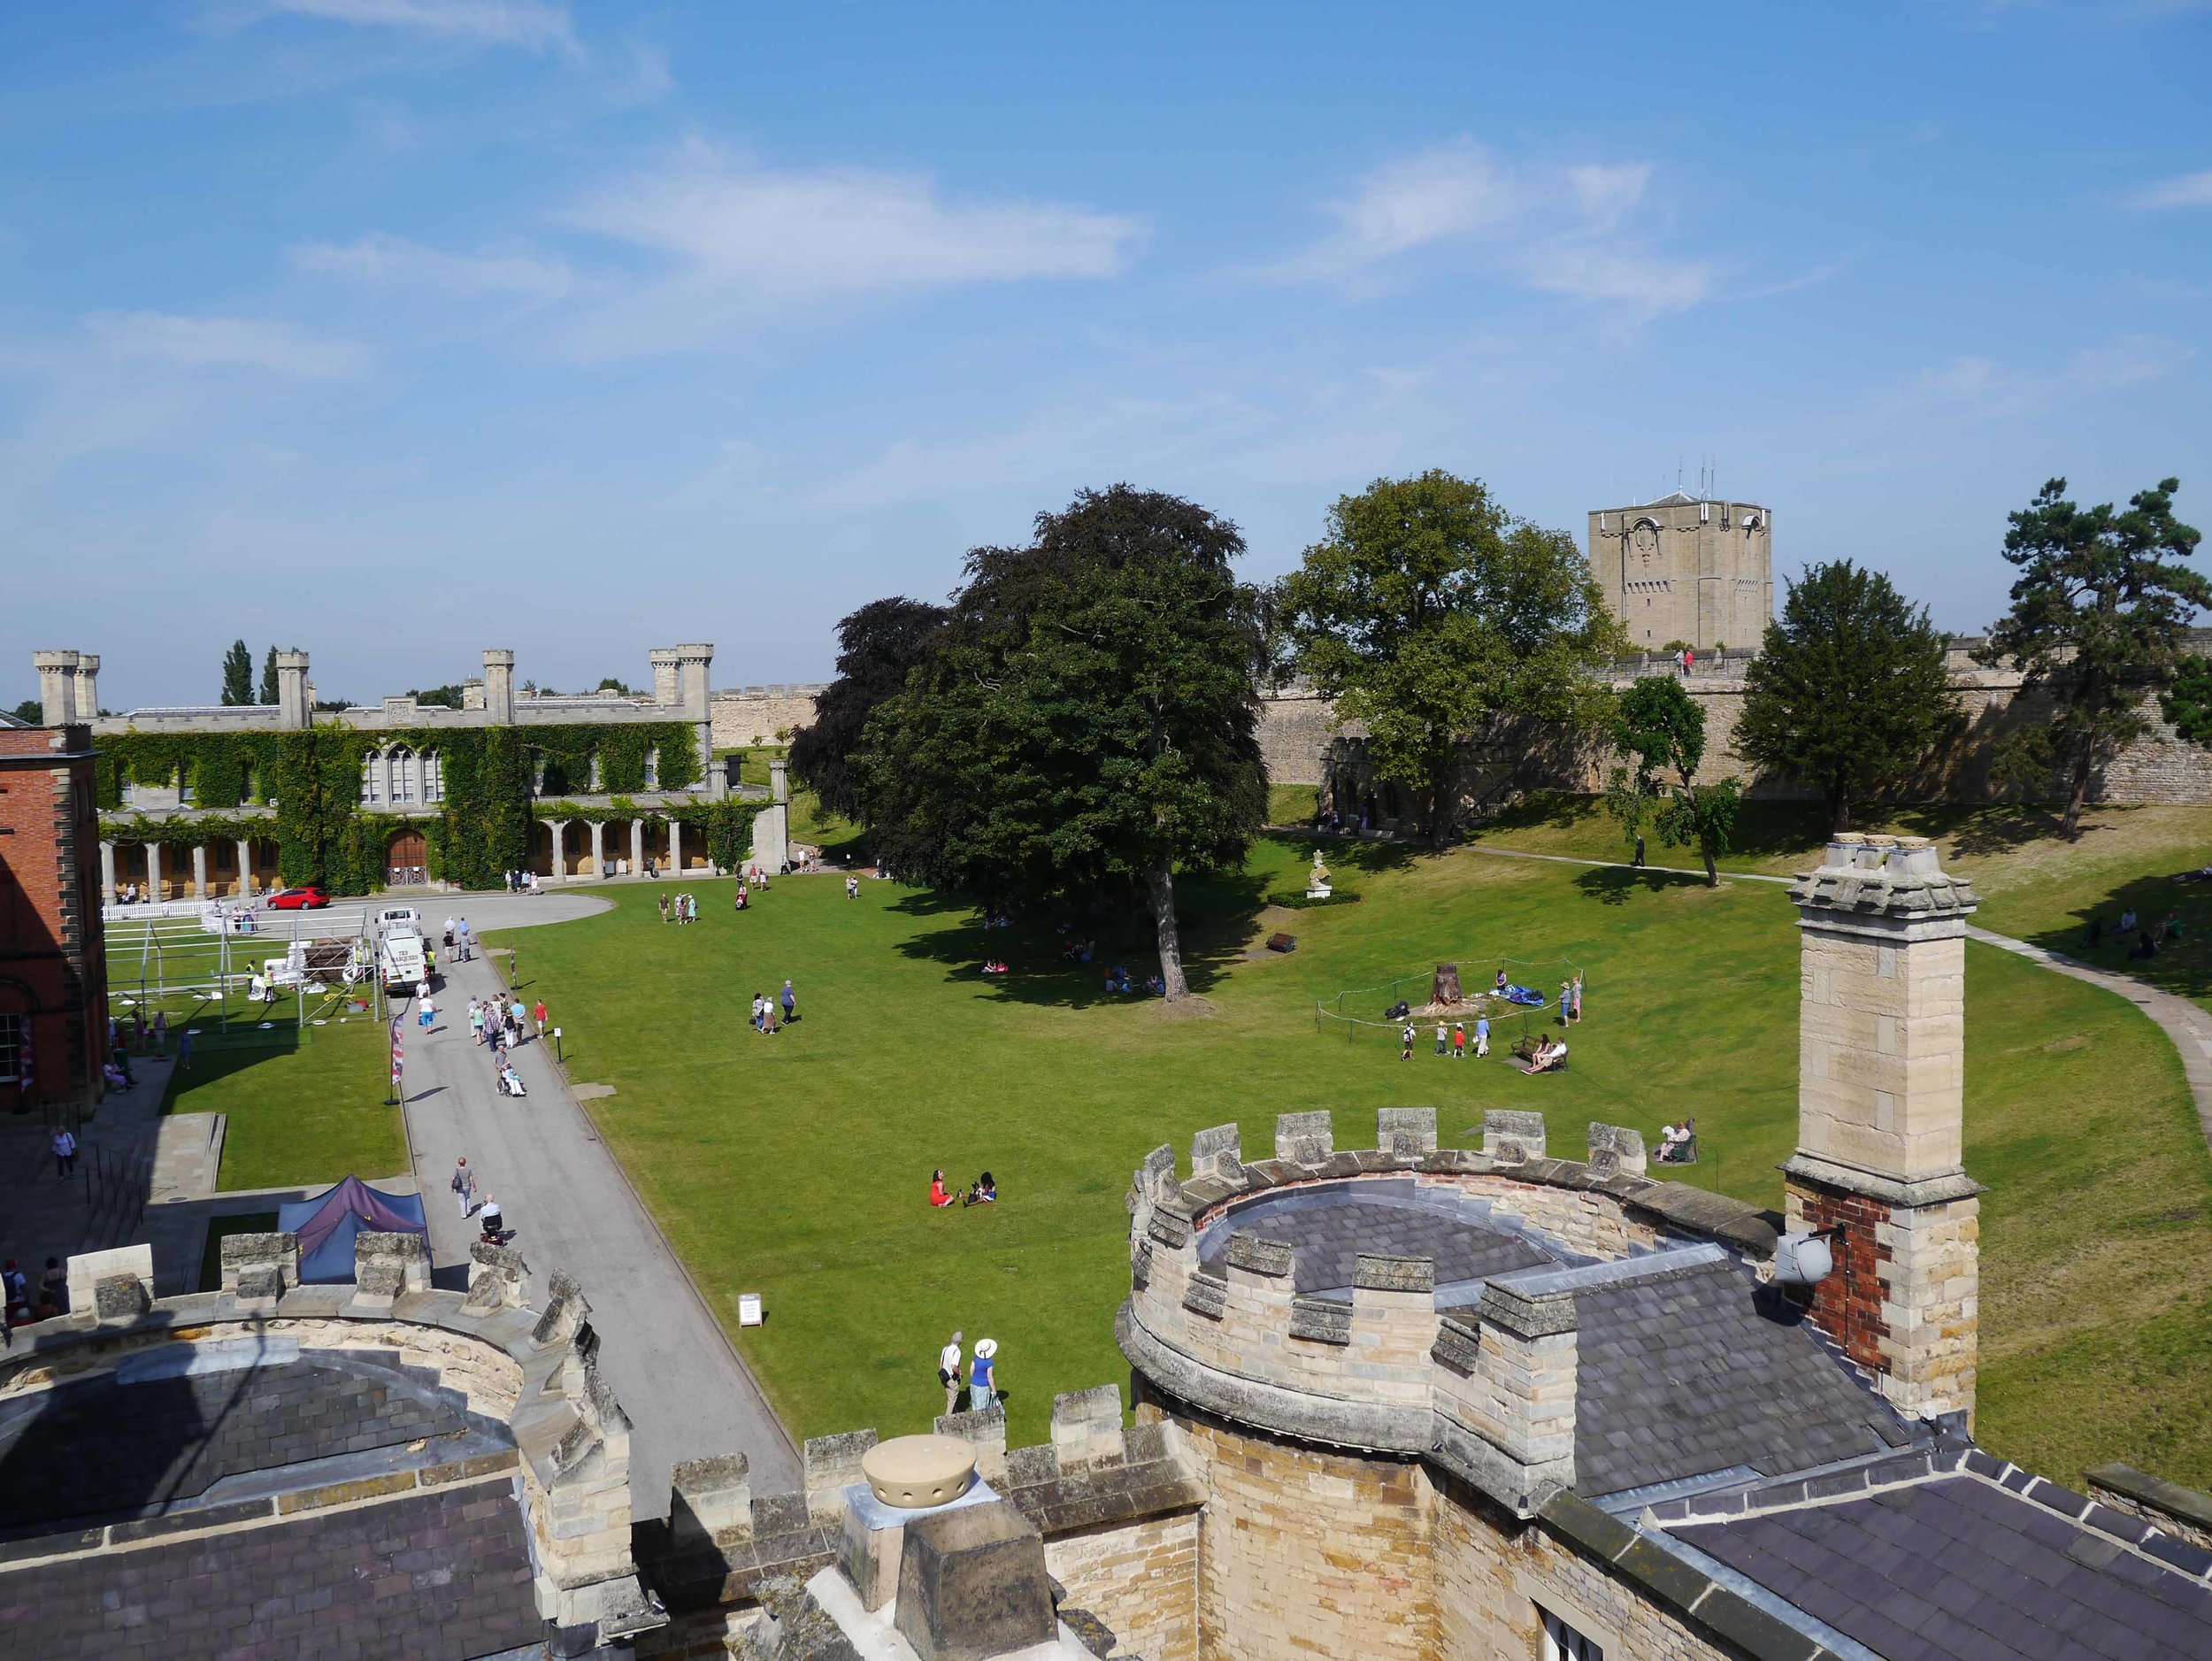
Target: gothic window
(1562,1643)
(15,1041)
(432,777)
(373,779)
(403,782)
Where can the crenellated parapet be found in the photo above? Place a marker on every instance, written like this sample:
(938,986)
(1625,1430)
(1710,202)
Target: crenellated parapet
(1254,1299)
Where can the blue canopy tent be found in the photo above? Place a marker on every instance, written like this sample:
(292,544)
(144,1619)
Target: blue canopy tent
(327,1225)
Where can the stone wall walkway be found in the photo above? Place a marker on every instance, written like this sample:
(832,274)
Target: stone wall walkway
(2187,1025)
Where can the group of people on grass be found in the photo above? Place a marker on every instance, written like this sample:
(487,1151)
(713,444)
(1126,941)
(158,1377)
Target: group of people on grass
(984,1191)
(2149,942)
(684,908)
(764,1010)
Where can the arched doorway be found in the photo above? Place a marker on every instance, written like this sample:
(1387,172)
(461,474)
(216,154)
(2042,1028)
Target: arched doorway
(406,859)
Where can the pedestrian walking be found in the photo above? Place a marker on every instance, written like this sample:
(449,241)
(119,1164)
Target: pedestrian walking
(464,1186)
(852,887)
(64,1152)
(790,1004)
(1443,1039)
(428,1014)
(537,1014)
(1639,849)
(1482,1036)
(518,1015)
(161,1032)
(184,1050)
(1459,1041)
(461,939)
(1577,984)
(664,907)
(983,1375)
(1405,1051)
(949,1373)
(476,1022)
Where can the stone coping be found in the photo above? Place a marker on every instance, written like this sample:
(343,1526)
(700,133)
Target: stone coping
(2186,1505)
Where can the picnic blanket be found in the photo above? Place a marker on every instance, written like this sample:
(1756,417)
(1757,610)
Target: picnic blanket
(1523,995)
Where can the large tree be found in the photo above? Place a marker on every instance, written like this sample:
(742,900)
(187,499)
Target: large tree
(1086,724)
(1848,694)
(269,678)
(1661,729)
(2100,616)
(1429,613)
(238,674)
(878,647)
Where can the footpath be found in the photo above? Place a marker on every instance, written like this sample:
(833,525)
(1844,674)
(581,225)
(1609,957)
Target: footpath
(2187,1026)
(570,1207)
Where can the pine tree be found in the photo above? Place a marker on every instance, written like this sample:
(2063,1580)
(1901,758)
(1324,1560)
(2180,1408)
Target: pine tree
(269,678)
(237,674)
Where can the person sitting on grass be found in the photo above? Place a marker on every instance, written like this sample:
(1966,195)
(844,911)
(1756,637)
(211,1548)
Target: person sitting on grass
(995,965)
(984,1193)
(1155,987)
(938,1196)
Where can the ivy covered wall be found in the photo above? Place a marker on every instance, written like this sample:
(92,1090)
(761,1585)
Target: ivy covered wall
(481,830)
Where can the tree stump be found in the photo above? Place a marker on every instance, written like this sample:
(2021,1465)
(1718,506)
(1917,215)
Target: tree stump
(1446,989)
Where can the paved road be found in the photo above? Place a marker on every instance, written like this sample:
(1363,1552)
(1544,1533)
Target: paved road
(572,1209)
(2187,1025)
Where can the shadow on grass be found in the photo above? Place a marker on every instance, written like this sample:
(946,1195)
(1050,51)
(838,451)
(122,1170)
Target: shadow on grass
(1611,884)
(218,1056)
(1215,918)
(2183,965)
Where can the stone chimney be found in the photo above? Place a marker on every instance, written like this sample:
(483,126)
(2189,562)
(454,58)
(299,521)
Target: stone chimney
(499,686)
(779,780)
(87,684)
(1880,1115)
(296,699)
(57,686)
(695,662)
(668,676)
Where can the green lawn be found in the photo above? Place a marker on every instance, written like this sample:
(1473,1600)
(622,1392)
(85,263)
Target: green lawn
(304,1108)
(796,1166)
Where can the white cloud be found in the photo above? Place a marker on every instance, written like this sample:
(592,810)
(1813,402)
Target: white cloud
(212,343)
(530,24)
(846,230)
(2190,190)
(1984,387)
(1556,230)
(392,262)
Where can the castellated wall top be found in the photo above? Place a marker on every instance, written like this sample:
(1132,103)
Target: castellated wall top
(1330,1341)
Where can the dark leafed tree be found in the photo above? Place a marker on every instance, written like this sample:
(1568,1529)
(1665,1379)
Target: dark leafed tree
(1661,729)
(1428,613)
(1087,723)
(238,674)
(878,647)
(2100,615)
(268,678)
(1848,694)
(31,712)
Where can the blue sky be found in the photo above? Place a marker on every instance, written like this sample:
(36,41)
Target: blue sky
(398,328)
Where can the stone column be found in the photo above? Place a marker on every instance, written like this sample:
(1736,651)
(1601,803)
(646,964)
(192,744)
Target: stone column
(1880,1119)
(107,873)
(559,827)
(779,780)
(598,849)
(153,871)
(676,846)
(637,847)
(199,871)
(245,868)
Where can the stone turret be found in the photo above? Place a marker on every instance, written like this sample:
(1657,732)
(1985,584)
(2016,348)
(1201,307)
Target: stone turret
(57,686)
(1881,1075)
(499,686)
(296,699)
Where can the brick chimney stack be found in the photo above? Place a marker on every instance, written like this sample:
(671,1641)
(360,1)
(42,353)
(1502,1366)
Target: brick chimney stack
(1880,1116)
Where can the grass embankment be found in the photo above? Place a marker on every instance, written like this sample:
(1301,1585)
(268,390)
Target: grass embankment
(795,1165)
(305,1106)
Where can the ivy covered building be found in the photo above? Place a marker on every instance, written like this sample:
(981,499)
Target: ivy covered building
(222,801)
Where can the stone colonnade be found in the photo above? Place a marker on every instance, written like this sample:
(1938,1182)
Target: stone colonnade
(602,855)
(155,874)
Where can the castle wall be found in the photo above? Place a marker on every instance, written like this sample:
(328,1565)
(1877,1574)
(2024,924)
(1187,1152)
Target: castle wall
(1293,724)
(749,717)
(1304,1552)
(1139,1578)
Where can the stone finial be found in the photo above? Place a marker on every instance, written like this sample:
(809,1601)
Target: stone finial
(1218,1152)
(1087,1428)
(566,1310)
(1305,1139)
(1898,877)
(1156,1175)
(498,1279)
(710,1497)
(973,1584)
(1510,1137)
(1406,1133)
(1617,1150)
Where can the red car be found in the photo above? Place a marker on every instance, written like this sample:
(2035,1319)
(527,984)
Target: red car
(310,898)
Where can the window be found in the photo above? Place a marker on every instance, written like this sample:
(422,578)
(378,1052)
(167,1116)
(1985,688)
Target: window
(13,1037)
(432,777)
(1562,1643)
(372,779)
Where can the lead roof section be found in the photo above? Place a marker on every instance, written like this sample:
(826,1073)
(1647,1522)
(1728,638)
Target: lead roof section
(1962,1567)
(1690,1372)
(1329,1228)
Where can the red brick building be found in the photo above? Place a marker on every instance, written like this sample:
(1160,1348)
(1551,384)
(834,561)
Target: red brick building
(53,955)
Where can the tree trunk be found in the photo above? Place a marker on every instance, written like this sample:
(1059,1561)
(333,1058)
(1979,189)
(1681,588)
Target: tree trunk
(2080,795)
(1438,825)
(1712,871)
(1162,886)
(1839,808)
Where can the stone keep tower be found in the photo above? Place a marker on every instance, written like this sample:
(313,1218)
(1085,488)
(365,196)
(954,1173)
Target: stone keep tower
(1881,1074)
(1684,568)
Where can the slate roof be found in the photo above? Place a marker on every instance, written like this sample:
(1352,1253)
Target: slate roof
(437,1576)
(1687,1373)
(1959,1568)
(107,1444)
(1331,1224)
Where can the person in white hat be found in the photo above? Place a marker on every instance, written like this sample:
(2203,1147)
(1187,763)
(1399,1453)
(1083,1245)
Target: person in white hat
(982,1375)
